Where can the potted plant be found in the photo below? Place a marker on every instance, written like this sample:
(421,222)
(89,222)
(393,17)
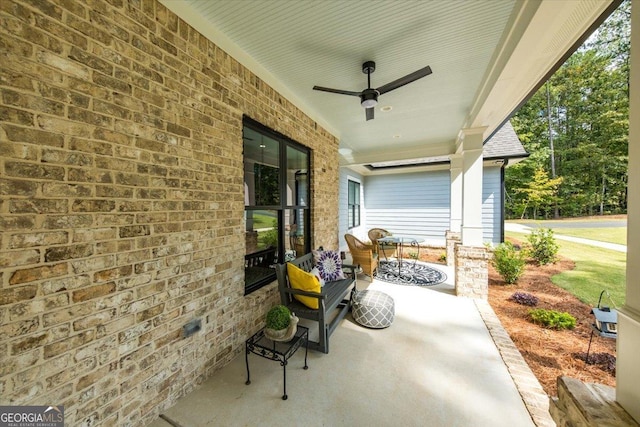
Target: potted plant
(281,324)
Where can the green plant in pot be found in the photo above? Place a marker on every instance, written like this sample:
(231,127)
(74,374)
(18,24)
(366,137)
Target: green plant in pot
(281,324)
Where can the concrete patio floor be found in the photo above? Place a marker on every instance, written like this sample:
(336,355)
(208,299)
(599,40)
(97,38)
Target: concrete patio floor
(445,361)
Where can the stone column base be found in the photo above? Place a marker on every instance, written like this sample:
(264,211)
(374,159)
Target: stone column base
(472,273)
(582,404)
(453,238)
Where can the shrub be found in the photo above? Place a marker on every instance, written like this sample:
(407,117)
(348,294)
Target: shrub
(524,298)
(544,249)
(270,237)
(508,262)
(443,257)
(278,317)
(552,319)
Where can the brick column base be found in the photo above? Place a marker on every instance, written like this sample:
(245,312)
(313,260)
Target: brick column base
(472,273)
(453,238)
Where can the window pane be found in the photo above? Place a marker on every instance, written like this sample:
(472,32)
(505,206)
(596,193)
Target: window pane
(297,177)
(350,224)
(297,243)
(351,192)
(354,193)
(261,237)
(261,229)
(353,204)
(261,170)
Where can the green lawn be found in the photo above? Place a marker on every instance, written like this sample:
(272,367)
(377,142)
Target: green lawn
(262,221)
(596,270)
(597,218)
(611,234)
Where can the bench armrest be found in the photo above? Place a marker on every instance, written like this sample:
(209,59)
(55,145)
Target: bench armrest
(304,293)
(351,269)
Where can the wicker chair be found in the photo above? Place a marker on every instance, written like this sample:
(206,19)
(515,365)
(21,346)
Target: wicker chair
(362,254)
(386,251)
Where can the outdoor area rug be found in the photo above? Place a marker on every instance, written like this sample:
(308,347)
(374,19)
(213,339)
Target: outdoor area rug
(419,274)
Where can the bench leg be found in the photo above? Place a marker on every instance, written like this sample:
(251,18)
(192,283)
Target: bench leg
(323,336)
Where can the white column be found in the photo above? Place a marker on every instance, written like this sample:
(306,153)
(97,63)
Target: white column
(455,221)
(627,366)
(472,186)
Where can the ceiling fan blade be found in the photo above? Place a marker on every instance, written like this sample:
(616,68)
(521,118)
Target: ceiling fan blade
(341,92)
(423,72)
(369,113)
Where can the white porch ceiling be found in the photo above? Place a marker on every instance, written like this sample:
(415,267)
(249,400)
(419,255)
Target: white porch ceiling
(486,57)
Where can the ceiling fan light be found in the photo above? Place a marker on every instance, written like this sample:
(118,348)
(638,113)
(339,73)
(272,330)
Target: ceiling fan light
(368,103)
(369,99)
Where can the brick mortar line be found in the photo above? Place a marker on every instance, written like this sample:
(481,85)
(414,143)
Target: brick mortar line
(535,399)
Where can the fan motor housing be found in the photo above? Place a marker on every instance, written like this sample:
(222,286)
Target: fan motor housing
(369,98)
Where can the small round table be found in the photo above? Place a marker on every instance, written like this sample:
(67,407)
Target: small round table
(401,242)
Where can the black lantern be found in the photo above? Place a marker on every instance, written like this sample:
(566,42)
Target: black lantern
(606,322)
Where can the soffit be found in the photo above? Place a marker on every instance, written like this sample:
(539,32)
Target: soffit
(486,56)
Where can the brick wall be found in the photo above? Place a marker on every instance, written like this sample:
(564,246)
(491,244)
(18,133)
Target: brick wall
(121,201)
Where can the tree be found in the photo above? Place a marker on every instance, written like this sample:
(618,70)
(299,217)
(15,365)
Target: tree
(583,109)
(541,192)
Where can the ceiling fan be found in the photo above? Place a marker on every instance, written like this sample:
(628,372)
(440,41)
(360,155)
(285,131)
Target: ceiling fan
(369,96)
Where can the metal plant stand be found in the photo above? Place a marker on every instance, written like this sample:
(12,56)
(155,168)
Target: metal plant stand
(259,344)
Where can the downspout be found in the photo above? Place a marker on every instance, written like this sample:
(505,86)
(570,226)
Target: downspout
(502,197)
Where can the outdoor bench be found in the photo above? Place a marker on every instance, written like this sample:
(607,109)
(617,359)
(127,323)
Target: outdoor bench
(334,297)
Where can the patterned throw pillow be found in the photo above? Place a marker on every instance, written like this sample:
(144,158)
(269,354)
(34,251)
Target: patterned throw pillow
(329,264)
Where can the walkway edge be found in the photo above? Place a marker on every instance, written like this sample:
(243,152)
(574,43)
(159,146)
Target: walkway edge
(532,393)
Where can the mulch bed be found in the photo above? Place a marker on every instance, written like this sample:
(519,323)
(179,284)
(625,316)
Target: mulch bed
(549,353)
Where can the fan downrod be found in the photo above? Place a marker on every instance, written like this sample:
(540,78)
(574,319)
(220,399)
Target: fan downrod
(368,67)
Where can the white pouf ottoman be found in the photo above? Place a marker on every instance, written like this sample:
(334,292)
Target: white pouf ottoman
(373,309)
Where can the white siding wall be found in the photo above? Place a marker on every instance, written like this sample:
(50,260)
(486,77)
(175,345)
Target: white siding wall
(415,204)
(491,205)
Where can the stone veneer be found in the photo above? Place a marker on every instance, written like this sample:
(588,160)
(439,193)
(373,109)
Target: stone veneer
(471,270)
(452,238)
(122,206)
(587,405)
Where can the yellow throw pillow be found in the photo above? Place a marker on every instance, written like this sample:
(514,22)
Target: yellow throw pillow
(300,279)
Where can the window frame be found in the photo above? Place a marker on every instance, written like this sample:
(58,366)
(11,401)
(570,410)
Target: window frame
(354,208)
(283,209)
